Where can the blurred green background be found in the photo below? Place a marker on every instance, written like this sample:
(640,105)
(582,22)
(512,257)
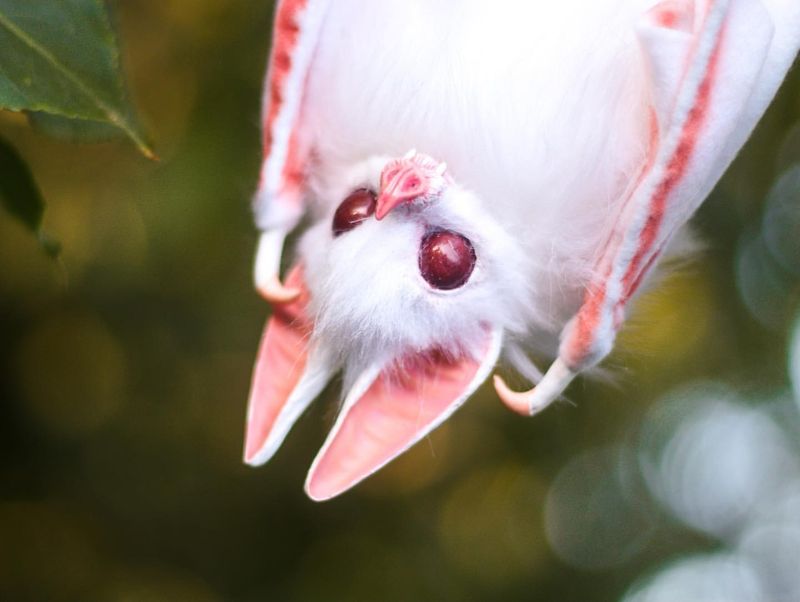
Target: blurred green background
(124,374)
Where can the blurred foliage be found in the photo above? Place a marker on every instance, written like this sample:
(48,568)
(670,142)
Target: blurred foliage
(61,58)
(59,63)
(20,196)
(122,393)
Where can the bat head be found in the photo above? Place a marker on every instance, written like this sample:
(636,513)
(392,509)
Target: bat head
(433,272)
(411,307)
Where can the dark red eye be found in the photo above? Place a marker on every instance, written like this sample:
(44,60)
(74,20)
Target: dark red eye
(357,207)
(446,259)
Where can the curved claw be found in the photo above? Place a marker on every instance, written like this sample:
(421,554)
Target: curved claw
(274,291)
(267,266)
(541,396)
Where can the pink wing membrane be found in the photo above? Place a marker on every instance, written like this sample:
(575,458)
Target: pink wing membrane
(714,67)
(718,77)
(388,411)
(279,199)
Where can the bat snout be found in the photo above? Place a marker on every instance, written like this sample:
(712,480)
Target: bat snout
(415,176)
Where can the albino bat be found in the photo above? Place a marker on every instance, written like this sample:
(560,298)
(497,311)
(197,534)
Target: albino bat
(561,147)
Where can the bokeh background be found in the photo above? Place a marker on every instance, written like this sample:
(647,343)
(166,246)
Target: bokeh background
(124,371)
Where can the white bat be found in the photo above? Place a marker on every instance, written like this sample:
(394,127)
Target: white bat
(579,136)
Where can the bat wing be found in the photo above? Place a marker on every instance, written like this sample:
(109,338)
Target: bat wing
(714,66)
(279,200)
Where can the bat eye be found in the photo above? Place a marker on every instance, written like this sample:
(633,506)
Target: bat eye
(357,207)
(446,259)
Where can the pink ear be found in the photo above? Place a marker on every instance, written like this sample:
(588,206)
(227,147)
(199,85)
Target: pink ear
(387,412)
(282,360)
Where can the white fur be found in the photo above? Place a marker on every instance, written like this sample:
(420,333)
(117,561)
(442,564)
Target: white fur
(502,97)
(540,109)
(370,302)
(739,53)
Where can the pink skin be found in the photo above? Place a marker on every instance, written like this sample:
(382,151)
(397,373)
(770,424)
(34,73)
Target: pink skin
(406,402)
(413,178)
(282,358)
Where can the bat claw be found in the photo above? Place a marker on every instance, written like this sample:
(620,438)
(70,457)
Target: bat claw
(275,292)
(530,403)
(516,402)
(268,260)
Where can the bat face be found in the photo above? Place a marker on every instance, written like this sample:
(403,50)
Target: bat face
(412,308)
(433,272)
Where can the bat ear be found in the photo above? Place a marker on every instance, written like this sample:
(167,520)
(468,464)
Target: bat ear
(390,408)
(288,376)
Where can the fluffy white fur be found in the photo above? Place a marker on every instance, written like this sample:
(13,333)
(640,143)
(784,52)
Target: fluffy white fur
(369,299)
(502,97)
(274,208)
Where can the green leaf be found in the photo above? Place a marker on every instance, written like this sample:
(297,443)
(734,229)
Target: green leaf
(18,191)
(21,197)
(73,130)
(61,57)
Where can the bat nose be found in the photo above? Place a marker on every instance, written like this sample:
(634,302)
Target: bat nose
(386,203)
(404,187)
(405,180)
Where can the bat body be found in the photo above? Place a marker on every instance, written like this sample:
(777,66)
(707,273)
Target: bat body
(502,98)
(562,146)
